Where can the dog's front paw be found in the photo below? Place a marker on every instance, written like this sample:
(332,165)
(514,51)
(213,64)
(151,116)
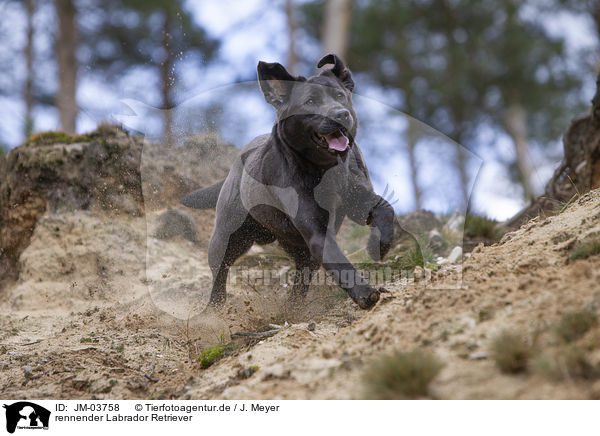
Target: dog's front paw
(367,298)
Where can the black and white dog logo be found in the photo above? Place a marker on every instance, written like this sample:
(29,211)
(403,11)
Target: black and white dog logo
(26,415)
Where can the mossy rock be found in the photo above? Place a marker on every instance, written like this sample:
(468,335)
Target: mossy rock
(58,137)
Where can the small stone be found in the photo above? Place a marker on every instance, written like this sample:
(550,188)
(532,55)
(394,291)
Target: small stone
(27,371)
(478,355)
(454,256)
(176,222)
(311,327)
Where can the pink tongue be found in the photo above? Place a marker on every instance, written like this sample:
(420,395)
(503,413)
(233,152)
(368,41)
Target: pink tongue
(337,142)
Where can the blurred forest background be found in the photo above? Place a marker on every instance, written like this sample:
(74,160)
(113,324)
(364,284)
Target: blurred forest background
(501,78)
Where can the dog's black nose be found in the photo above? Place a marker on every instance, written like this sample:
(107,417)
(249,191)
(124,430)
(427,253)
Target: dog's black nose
(342,116)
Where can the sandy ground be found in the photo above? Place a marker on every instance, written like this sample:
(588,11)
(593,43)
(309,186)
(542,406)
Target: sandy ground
(102,309)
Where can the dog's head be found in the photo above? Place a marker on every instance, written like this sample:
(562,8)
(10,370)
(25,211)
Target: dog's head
(314,116)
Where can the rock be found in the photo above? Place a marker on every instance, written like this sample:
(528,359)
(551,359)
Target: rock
(455,254)
(175,222)
(478,355)
(106,172)
(56,172)
(256,249)
(454,257)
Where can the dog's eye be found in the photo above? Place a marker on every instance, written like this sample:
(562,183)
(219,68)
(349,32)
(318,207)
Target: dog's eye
(339,96)
(309,101)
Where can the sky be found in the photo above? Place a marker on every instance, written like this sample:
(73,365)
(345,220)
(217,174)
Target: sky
(250,32)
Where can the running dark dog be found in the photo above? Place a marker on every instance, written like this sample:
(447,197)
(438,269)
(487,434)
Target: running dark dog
(297,184)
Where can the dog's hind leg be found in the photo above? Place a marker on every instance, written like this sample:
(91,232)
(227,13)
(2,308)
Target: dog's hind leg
(223,250)
(305,268)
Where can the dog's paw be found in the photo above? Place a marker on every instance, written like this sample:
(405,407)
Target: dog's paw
(369,299)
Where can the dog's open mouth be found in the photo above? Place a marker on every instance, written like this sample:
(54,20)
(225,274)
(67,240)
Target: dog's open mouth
(336,141)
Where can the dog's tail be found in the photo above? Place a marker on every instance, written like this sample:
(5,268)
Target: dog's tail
(205,198)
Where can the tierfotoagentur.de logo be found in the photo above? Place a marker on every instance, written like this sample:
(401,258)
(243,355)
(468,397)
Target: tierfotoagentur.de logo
(24,415)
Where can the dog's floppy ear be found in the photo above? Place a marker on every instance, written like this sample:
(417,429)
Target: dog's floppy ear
(340,70)
(275,82)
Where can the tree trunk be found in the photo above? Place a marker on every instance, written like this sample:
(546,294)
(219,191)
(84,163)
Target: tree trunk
(28,91)
(460,157)
(336,27)
(515,123)
(167,76)
(579,171)
(292,27)
(66,50)
(595,12)
(461,165)
(411,139)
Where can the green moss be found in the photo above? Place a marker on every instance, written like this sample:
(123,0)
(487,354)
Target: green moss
(574,325)
(402,375)
(408,260)
(511,352)
(482,227)
(403,259)
(213,354)
(85,340)
(58,137)
(587,248)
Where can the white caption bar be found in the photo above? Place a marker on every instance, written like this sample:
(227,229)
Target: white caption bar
(264,417)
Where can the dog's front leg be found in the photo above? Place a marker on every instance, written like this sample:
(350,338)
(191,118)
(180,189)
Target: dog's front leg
(381,220)
(364,207)
(344,273)
(324,250)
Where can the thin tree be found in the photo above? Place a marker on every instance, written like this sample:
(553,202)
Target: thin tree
(29,71)
(292,26)
(66,50)
(162,34)
(336,26)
